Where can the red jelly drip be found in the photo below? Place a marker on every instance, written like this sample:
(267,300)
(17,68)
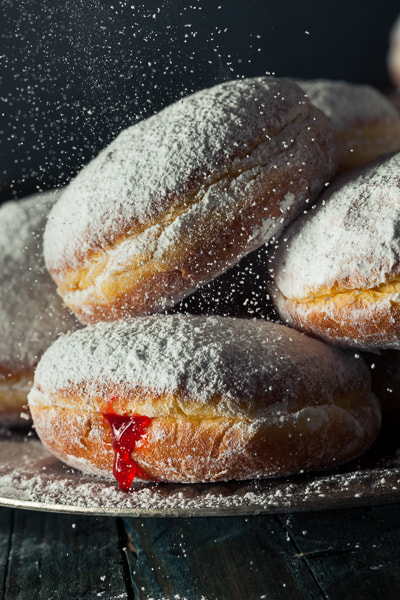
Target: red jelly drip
(126,431)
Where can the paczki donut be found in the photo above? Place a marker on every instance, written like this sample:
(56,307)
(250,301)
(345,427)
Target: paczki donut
(201,398)
(366,122)
(31,312)
(336,270)
(180,197)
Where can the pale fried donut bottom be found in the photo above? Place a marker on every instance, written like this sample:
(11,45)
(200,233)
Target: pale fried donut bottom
(226,398)
(336,270)
(178,199)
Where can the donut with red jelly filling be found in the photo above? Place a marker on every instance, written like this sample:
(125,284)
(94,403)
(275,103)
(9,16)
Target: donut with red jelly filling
(177,199)
(188,398)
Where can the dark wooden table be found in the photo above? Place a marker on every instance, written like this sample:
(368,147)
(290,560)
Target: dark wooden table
(336,554)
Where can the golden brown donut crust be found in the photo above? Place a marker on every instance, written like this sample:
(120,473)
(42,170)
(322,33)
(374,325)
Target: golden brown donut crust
(336,270)
(269,401)
(368,319)
(213,449)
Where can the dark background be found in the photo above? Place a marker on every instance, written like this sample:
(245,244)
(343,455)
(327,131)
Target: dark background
(74,73)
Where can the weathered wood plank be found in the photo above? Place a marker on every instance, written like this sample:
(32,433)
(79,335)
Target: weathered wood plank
(6,526)
(335,555)
(353,554)
(59,557)
(220,558)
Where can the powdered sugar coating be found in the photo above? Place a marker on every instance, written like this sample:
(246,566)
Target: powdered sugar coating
(366,122)
(185,147)
(351,239)
(31,312)
(252,366)
(347,103)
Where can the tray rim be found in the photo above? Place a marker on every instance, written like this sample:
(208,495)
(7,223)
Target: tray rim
(330,498)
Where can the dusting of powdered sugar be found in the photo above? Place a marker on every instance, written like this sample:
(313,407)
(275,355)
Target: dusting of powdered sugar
(185,147)
(351,238)
(251,364)
(31,312)
(348,104)
(30,477)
